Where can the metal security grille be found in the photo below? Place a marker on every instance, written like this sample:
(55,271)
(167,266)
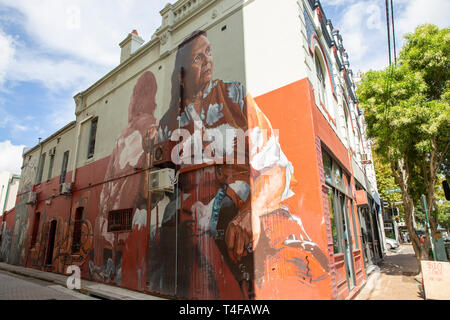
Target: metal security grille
(120,220)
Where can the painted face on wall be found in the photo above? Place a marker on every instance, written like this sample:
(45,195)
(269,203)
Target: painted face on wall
(199,73)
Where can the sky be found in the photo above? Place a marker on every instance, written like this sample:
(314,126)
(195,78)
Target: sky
(51,51)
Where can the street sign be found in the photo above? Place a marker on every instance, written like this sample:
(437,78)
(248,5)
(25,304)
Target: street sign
(393,191)
(398,203)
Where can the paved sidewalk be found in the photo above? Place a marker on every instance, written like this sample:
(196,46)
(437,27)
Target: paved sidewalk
(90,288)
(395,279)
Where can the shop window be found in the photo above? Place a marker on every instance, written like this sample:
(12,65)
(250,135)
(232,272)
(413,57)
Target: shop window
(327,167)
(337,173)
(333,214)
(92,136)
(355,230)
(37,219)
(120,220)
(76,240)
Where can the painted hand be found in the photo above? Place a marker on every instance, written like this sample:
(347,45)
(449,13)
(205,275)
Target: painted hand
(242,235)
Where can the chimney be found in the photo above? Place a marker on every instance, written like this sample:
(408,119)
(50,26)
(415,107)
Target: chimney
(130,45)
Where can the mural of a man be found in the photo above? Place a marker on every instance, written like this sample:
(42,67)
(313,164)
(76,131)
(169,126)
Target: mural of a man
(226,211)
(129,154)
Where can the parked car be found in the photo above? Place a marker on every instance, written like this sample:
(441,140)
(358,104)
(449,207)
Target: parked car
(392,244)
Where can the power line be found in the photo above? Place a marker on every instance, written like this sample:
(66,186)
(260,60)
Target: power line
(393,31)
(388,32)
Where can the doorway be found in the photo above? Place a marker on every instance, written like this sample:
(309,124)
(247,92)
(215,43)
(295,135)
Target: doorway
(342,234)
(51,243)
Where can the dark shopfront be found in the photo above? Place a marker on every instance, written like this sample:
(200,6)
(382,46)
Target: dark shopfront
(346,247)
(370,230)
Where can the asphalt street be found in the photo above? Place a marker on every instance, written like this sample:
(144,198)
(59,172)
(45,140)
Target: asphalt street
(17,287)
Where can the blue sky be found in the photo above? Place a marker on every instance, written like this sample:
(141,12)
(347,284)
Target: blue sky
(51,51)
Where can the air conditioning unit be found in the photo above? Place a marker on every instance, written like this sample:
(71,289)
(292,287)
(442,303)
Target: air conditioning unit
(52,152)
(162,180)
(365,159)
(162,154)
(31,198)
(65,188)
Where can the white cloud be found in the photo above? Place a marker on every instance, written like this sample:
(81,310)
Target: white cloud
(6,54)
(10,157)
(362,24)
(418,12)
(74,42)
(90,30)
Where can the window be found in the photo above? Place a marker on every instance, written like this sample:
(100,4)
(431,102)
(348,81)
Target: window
(355,230)
(76,241)
(332,208)
(337,173)
(338,203)
(50,167)
(37,219)
(347,123)
(327,167)
(92,135)
(41,169)
(120,220)
(321,79)
(65,162)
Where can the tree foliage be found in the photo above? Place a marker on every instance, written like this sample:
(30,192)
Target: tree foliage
(407,111)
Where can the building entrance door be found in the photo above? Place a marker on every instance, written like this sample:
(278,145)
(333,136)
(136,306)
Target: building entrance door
(51,243)
(366,236)
(347,239)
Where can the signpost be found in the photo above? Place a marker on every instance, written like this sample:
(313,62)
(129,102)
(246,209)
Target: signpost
(393,191)
(436,279)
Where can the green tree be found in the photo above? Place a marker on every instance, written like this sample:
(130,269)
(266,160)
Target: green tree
(407,111)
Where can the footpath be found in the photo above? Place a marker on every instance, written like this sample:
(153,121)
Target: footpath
(89,288)
(395,278)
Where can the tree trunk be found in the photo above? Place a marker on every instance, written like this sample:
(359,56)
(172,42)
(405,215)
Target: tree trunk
(420,249)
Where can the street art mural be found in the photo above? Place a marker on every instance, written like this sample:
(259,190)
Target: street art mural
(125,189)
(234,227)
(6,245)
(21,227)
(63,254)
(28,174)
(227,222)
